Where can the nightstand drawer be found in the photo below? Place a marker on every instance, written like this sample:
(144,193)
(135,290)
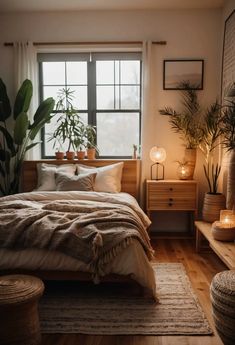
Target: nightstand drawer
(171,195)
(172,203)
(172,189)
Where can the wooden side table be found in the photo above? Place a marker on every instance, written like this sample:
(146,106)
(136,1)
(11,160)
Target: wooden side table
(172,195)
(19,295)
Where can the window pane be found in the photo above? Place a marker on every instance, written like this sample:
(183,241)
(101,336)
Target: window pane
(105,97)
(116,133)
(53,73)
(80,96)
(49,129)
(130,97)
(130,72)
(105,72)
(76,72)
(51,91)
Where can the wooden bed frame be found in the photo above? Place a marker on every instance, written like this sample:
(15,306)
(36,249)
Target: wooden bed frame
(130,184)
(130,174)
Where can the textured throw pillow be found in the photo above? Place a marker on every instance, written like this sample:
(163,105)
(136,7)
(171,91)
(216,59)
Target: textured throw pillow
(46,174)
(108,178)
(84,182)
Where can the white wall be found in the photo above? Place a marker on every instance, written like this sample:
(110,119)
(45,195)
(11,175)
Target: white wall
(189,34)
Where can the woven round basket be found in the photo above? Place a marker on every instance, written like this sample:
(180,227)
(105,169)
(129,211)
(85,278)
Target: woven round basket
(222,293)
(19,296)
(222,234)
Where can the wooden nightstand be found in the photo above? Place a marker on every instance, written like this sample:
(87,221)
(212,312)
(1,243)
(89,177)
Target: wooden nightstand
(172,195)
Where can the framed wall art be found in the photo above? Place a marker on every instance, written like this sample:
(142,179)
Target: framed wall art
(228,58)
(176,73)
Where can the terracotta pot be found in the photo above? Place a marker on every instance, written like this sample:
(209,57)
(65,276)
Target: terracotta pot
(190,157)
(212,205)
(231,182)
(70,155)
(91,153)
(59,155)
(81,154)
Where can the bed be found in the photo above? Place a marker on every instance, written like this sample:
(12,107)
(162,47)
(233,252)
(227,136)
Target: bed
(84,234)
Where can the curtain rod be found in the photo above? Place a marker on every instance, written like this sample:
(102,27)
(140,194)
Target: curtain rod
(9,44)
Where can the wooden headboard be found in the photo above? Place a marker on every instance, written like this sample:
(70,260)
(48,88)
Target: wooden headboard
(130,176)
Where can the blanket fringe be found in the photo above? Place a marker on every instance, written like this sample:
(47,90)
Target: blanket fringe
(96,244)
(107,257)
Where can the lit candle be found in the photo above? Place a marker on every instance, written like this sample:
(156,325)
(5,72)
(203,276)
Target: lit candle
(227,218)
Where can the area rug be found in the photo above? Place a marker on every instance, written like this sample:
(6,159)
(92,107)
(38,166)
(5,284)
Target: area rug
(105,311)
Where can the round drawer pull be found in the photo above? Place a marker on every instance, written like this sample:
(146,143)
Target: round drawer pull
(170,188)
(170,204)
(170,199)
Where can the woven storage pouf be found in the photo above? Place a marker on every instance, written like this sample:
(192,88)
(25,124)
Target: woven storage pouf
(223,305)
(19,295)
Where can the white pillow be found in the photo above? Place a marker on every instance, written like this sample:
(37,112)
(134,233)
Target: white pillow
(108,178)
(46,174)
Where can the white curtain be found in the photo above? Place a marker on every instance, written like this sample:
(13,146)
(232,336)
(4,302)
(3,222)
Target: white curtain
(25,58)
(148,116)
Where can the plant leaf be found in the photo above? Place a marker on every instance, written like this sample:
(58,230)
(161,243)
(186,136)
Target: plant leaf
(32,145)
(43,112)
(5,107)
(9,140)
(23,98)
(21,126)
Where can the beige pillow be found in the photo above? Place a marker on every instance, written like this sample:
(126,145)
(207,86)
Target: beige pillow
(84,182)
(46,174)
(108,178)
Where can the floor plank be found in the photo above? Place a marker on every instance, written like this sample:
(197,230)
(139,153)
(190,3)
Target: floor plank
(200,268)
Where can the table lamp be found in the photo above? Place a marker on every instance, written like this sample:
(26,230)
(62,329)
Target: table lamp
(157,155)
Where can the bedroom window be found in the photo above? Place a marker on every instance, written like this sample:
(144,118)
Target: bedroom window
(107,90)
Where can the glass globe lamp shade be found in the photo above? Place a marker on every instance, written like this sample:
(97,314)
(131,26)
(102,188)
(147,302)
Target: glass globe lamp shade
(183,171)
(157,154)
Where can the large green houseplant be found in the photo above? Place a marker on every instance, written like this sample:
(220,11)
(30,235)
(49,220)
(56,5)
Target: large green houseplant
(187,122)
(213,200)
(17,133)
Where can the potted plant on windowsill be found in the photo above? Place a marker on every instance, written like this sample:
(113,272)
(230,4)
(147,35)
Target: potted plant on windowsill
(187,123)
(213,200)
(80,141)
(18,133)
(91,142)
(69,122)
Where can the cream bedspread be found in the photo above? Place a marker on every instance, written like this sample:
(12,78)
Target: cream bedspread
(131,259)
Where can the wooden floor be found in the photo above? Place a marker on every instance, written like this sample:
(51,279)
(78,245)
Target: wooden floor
(200,268)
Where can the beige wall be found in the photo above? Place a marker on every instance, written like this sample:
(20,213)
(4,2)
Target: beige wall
(189,34)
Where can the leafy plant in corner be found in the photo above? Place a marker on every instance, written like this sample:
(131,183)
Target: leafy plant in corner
(211,133)
(187,121)
(18,133)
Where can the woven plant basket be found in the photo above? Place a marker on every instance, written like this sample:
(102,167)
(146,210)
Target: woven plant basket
(212,205)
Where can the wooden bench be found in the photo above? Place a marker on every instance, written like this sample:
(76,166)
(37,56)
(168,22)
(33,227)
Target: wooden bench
(225,250)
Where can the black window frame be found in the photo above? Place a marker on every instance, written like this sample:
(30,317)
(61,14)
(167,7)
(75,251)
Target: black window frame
(91,110)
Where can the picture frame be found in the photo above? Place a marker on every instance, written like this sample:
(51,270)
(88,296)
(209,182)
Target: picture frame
(177,71)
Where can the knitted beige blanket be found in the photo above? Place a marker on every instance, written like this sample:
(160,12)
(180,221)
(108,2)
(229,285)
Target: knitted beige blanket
(90,231)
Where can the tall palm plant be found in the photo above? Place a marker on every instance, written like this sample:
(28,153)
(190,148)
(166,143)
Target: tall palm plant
(186,122)
(211,133)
